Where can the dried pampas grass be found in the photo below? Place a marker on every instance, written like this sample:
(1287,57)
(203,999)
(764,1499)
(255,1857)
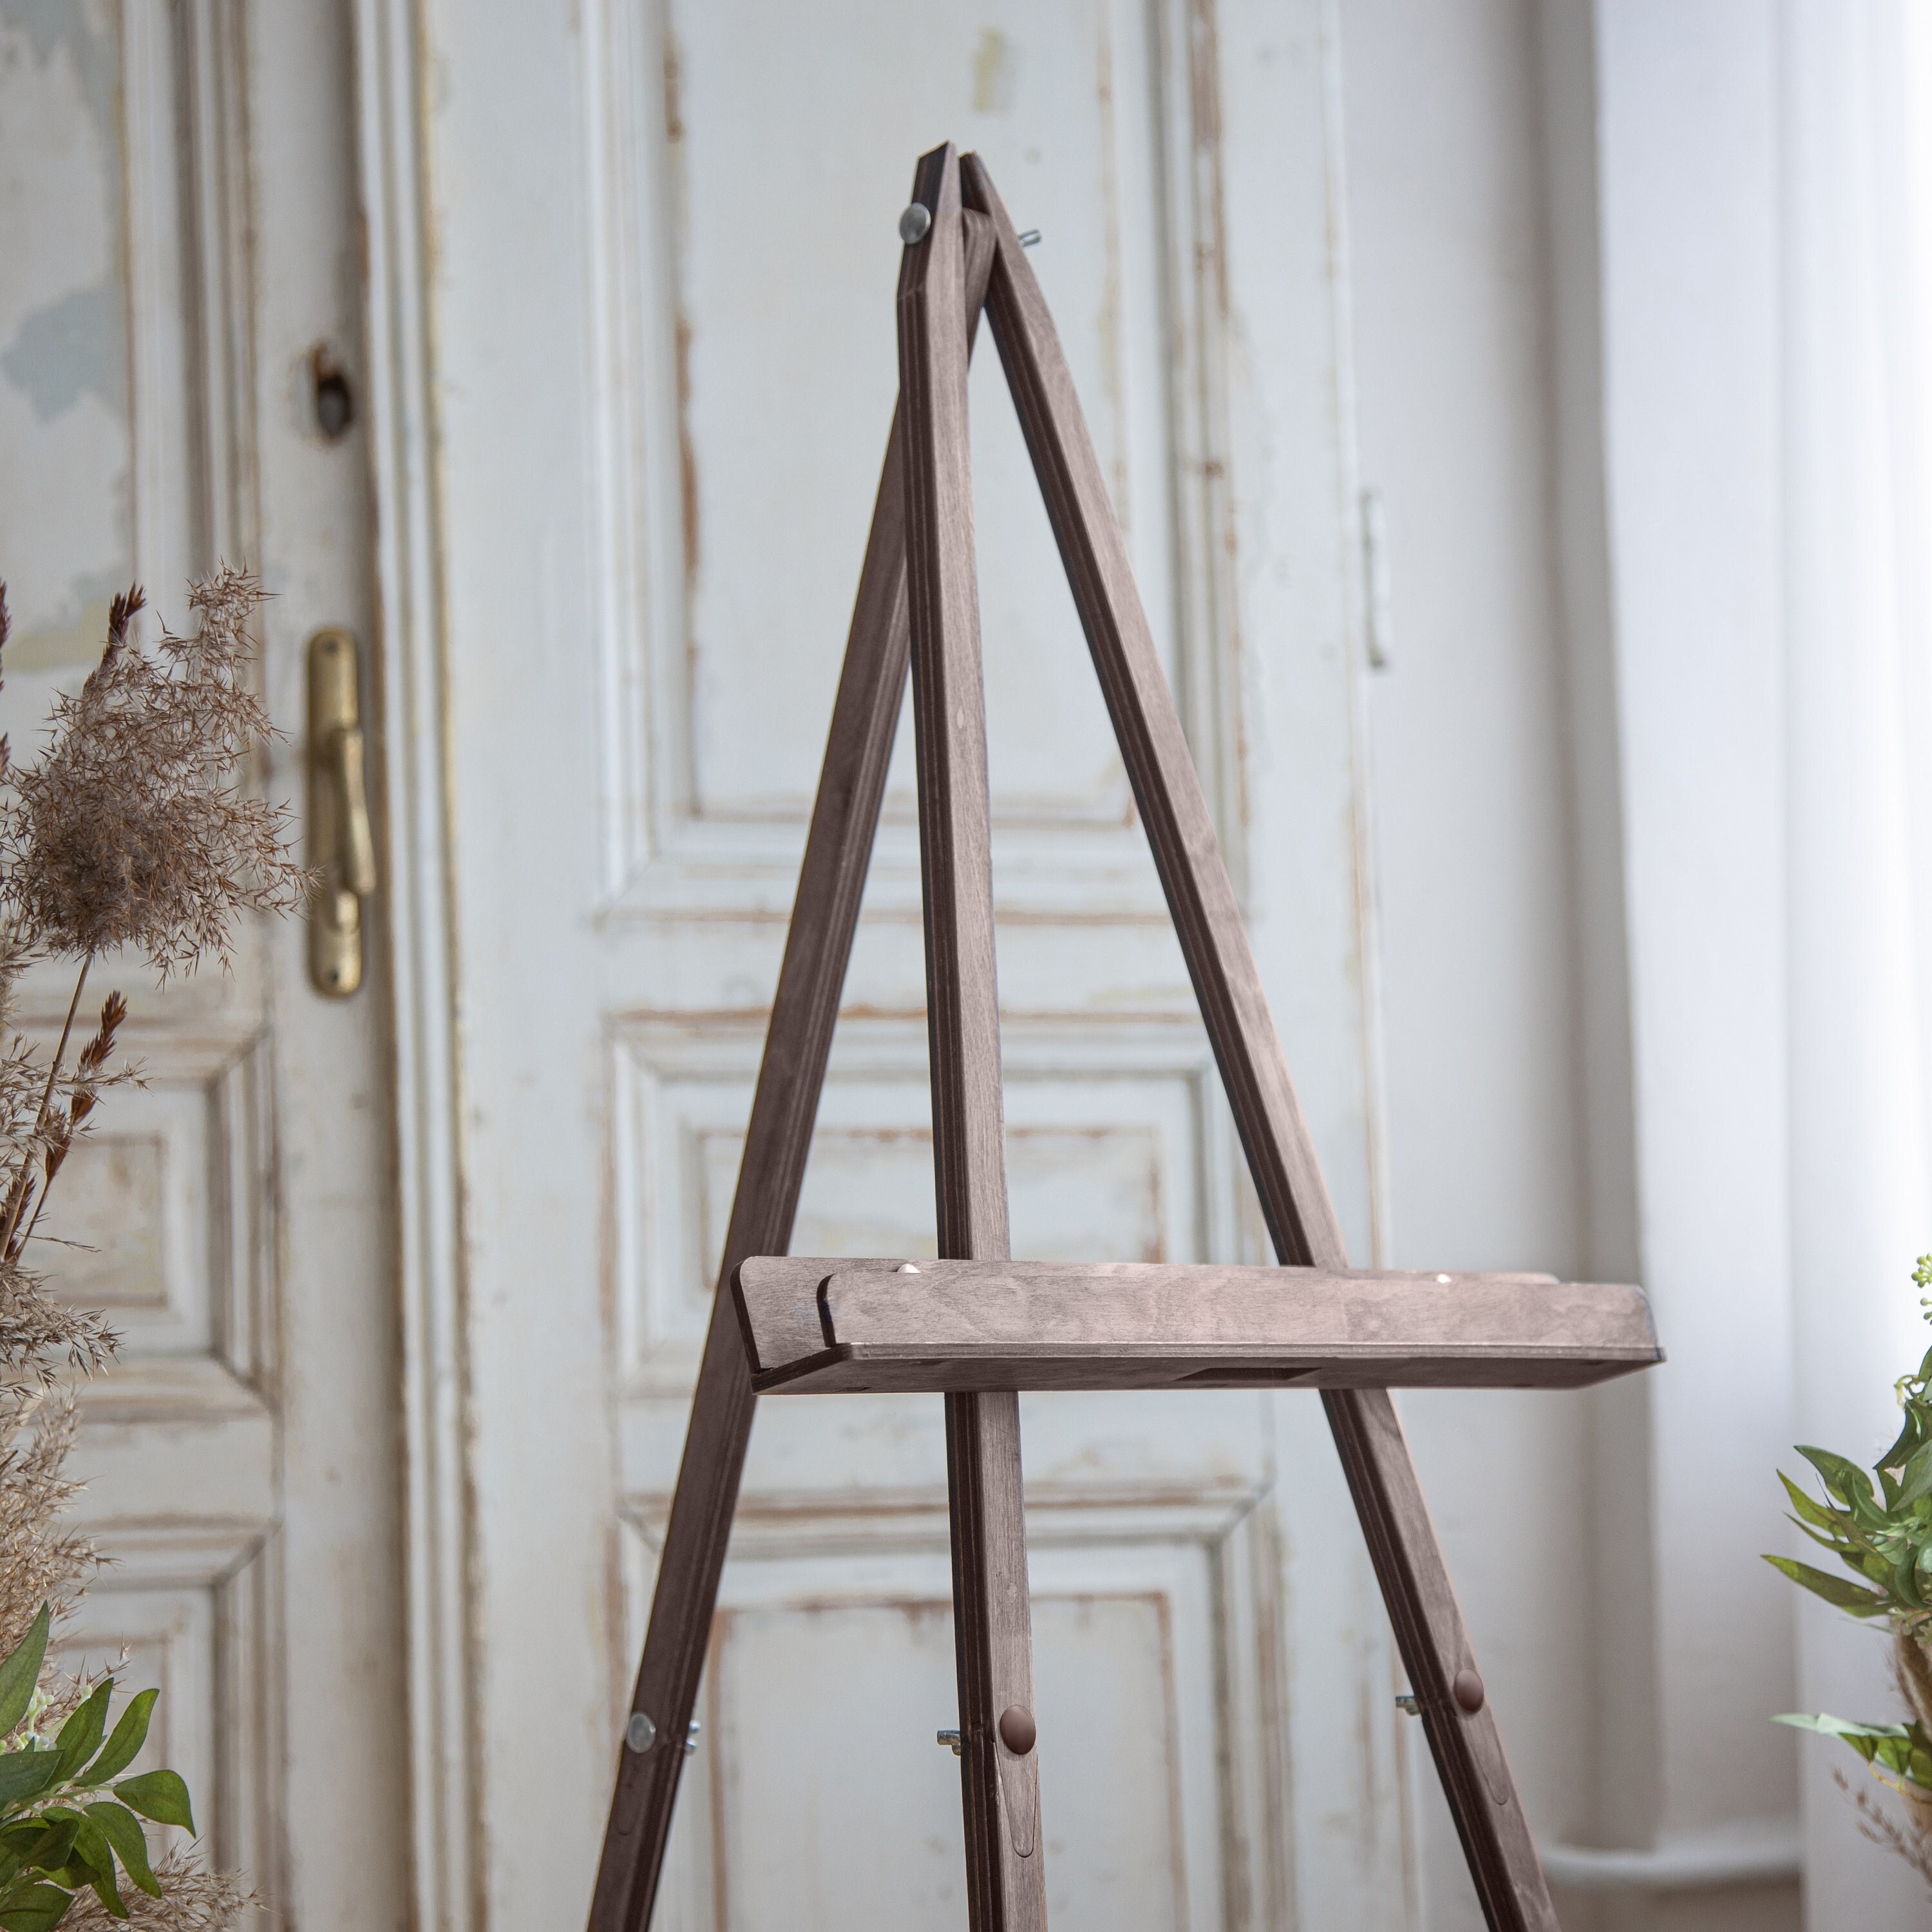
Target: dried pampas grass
(131,830)
(193,1899)
(40,1560)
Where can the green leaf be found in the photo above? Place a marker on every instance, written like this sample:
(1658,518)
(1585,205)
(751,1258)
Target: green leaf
(1904,1586)
(81,1734)
(158,1794)
(33,1908)
(26,1773)
(1807,1509)
(1844,1480)
(21,1672)
(123,1831)
(1831,1543)
(91,1843)
(51,1853)
(1835,1591)
(1865,1739)
(1823,1722)
(129,1735)
(1904,1749)
(1916,1479)
(1909,1437)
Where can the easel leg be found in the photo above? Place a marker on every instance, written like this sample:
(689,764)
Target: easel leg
(992,1614)
(1421,1598)
(1401,1541)
(844,821)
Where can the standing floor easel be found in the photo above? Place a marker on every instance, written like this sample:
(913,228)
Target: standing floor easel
(973,1324)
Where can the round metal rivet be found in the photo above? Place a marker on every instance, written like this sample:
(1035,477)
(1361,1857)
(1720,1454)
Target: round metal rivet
(640,1733)
(1018,1731)
(1468,1691)
(907,1268)
(914,222)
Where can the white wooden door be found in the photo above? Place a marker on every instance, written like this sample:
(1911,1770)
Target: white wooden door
(178,232)
(645,254)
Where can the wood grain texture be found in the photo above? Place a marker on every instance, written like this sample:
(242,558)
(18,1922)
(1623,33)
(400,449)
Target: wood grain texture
(992,1615)
(844,821)
(1294,1198)
(820,1326)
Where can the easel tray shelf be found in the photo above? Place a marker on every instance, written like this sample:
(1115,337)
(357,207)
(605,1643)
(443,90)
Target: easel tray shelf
(823,1325)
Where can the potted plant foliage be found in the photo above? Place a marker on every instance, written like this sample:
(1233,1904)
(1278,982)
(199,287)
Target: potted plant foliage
(1879,1525)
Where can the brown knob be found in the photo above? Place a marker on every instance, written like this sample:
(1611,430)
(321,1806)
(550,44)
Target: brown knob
(1468,1688)
(1017,1730)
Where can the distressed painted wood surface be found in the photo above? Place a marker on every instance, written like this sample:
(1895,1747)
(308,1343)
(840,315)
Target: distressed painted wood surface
(178,209)
(1301,1220)
(646,474)
(992,1610)
(818,946)
(822,1325)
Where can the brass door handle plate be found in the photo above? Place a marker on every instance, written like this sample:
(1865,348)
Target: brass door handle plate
(342,847)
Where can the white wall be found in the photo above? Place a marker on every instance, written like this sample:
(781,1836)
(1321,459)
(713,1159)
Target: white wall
(1477,170)
(1453,333)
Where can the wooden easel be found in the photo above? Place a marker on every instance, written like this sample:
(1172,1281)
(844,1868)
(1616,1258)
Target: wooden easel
(974,1325)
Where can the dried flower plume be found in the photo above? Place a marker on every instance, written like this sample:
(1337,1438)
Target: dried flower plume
(132,829)
(192,1900)
(40,1561)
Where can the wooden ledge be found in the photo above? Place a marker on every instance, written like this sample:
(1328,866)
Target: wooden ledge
(822,1325)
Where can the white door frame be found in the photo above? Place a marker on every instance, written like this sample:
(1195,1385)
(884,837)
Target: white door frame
(409,645)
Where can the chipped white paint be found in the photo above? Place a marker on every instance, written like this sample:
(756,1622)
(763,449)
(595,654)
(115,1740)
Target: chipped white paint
(66,490)
(163,278)
(662,313)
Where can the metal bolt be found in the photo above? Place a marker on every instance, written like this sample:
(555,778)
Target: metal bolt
(950,1737)
(691,1740)
(1030,239)
(640,1733)
(1407,1700)
(914,222)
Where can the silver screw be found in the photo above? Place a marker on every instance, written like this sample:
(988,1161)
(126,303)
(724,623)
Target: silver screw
(1029,238)
(691,1741)
(914,222)
(1406,1700)
(640,1733)
(950,1737)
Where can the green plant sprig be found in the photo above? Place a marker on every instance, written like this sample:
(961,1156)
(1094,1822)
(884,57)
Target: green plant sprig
(52,1843)
(1904,1750)
(1882,1534)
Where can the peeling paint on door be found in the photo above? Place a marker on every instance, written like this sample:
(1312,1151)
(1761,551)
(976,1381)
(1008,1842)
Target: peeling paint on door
(66,511)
